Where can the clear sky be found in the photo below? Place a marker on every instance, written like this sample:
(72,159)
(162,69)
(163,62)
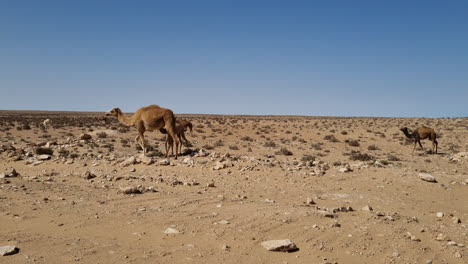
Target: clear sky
(272,57)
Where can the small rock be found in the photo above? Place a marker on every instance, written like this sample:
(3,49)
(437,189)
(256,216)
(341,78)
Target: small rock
(440,237)
(44,157)
(285,245)
(451,243)
(458,254)
(224,222)
(345,169)
(211,184)
(89,175)
(10,173)
(131,190)
(226,247)
(310,201)
(427,177)
(219,165)
(367,208)
(164,162)
(128,162)
(8,250)
(440,214)
(456,220)
(171,230)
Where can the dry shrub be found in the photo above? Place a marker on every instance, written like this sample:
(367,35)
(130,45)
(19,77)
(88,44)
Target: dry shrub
(352,142)
(331,138)
(42,151)
(101,134)
(306,158)
(356,155)
(269,144)
(284,151)
(372,147)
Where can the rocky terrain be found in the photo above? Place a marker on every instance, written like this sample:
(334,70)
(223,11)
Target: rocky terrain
(247,189)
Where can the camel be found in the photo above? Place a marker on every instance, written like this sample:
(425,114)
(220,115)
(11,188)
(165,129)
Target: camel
(186,124)
(148,118)
(422,133)
(46,123)
(180,132)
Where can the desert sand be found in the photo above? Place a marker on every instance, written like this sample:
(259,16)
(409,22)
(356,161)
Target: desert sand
(344,190)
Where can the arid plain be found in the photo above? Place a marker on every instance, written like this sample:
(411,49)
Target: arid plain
(344,190)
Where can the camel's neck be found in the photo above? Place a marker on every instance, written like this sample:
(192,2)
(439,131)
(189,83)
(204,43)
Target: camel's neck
(407,134)
(125,120)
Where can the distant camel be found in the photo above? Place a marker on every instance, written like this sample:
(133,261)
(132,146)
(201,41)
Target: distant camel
(422,133)
(180,132)
(46,123)
(148,118)
(185,124)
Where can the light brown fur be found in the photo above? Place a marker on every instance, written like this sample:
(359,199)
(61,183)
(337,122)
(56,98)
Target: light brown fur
(186,124)
(422,133)
(148,118)
(180,133)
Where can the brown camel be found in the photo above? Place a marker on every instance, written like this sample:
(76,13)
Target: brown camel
(180,133)
(422,133)
(148,118)
(186,124)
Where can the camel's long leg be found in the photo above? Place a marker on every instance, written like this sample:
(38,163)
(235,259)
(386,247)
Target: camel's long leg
(171,132)
(415,141)
(419,141)
(142,143)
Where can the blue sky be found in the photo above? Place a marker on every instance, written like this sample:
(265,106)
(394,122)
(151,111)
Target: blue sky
(341,58)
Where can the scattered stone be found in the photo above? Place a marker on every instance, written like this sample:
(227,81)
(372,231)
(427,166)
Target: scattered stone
(88,175)
(44,157)
(85,136)
(440,214)
(458,254)
(226,247)
(285,245)
(10,173)
(452,243)
(367,208)
(128,162)
(188,161)
(146,160)
(164,162)
(310,201)
(131,190)
(224,222)
(335,224)
(456,220)
(326,214)
(345,169)
(171,230)
(427,177)
(219,165)
(441,237)
(8,250)
(211,184)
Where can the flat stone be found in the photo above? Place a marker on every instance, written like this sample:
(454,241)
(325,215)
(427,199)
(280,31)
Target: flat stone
(284,245)
(367,208)
(8,250)
(427,177)
(440,214)
(128,162)
(164,162)
(171,230)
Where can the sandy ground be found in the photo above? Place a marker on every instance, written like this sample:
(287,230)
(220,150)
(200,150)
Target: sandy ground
(255,179)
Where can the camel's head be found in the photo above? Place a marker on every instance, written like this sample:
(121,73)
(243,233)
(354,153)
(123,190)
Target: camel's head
(114,112)
(404,129)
